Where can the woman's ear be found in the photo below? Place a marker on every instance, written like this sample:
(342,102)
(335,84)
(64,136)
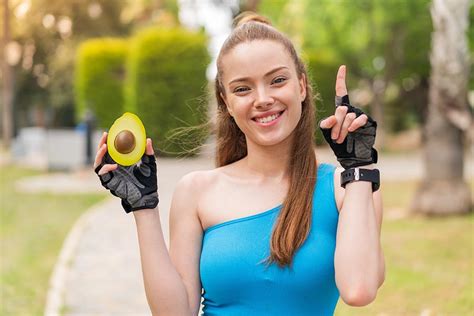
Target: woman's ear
(302,82)
(226,104)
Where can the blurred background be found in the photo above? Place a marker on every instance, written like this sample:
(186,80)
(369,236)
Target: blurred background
(69,68)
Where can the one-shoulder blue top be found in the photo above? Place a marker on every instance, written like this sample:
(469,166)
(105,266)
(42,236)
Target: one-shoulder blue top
(236,281)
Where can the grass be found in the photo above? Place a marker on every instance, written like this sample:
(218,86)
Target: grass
(429,262)
(32,230)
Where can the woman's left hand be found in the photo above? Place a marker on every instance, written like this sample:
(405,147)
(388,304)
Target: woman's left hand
(349,131)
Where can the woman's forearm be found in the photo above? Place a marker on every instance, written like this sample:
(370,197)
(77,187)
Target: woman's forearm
(358,250)
(165,290)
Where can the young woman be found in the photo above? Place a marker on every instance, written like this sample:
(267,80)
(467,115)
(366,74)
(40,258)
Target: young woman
(269,231)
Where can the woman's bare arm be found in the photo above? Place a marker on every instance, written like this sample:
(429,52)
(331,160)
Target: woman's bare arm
(164,288)
(359,261)
(186,236)
(171,279)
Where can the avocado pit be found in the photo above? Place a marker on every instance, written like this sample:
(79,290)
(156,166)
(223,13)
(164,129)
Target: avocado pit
(125,142)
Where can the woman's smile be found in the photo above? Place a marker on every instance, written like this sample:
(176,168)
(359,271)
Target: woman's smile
(268,119)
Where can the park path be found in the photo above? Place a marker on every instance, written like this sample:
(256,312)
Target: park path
(98,270)
(100,273)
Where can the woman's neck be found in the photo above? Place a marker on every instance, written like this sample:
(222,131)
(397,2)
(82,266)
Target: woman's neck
(266,162)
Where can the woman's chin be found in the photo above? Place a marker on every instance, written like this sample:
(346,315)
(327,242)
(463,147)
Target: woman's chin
(271,141)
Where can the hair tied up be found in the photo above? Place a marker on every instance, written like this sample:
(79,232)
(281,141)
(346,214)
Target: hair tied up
(249,16)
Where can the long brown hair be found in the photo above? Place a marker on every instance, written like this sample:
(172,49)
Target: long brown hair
(294,221)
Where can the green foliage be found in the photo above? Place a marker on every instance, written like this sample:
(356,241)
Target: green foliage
(61,95)
(321,67)
(273,9)
(165,84)
(470,36)
(100,73)
(44,75)
(383,43)
(171,6)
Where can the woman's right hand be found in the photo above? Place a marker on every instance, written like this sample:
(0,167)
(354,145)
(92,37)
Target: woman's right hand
(136,185)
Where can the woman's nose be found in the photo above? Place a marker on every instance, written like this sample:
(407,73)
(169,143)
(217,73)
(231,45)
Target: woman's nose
(263,98)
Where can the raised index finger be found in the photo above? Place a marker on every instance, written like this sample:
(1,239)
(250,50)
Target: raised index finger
(341,89)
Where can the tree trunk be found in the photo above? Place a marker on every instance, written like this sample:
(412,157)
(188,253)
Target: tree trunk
(378,88)
(7,87)
(443,190)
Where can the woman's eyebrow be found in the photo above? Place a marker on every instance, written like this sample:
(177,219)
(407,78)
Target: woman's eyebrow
(267,74)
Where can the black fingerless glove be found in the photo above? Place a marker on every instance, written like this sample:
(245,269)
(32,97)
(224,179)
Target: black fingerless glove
(136,185)
(357,149)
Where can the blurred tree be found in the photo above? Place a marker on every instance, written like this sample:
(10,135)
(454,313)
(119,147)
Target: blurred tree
(7,77)
(272,9)
(443,189)
(384,44)
(166,78)
(470,38)
(48,32)
(100,72)
(144,13)
(249,5)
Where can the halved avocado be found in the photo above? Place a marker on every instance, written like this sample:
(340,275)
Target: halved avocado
(126,141)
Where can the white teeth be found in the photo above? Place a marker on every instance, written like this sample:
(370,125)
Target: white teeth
(268,118)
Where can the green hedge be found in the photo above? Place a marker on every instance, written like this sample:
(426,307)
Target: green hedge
(99,77)
(165,84)
(322,66)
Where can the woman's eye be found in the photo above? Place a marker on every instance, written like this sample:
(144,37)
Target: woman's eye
(240,89)
(279,80)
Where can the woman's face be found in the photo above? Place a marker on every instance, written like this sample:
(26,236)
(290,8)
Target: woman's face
(262,91)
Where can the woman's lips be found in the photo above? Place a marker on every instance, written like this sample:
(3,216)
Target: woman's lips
(269,119)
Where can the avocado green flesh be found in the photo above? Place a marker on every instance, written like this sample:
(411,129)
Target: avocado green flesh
(126,140)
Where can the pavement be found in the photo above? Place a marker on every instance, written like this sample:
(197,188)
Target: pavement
(98,270)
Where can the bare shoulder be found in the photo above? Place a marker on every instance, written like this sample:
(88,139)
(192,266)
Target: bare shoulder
(338,190)
(201,180)
(193,184)
(184,209)
(195,179)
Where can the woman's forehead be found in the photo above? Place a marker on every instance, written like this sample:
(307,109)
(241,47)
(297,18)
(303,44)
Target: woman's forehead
(255,58)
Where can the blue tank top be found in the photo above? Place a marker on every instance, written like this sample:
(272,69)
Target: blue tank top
(236,281)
